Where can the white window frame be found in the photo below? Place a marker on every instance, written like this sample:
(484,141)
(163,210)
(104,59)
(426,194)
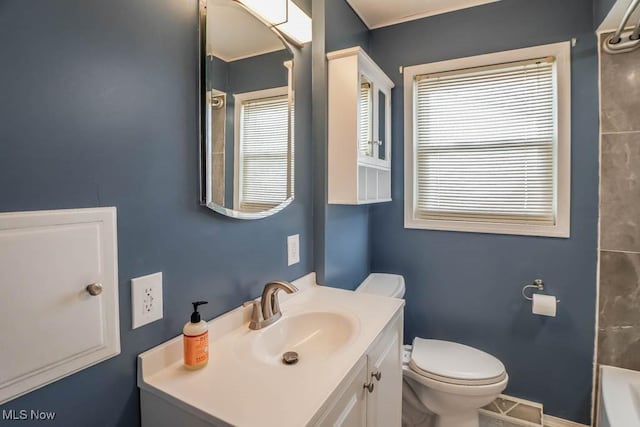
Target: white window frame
(239,99)
(562,159)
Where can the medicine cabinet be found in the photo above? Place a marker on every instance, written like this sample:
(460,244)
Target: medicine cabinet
(359,122)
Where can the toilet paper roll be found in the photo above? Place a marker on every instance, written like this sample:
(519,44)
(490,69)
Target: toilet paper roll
(544,305)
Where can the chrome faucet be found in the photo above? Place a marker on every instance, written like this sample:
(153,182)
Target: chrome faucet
(267,310)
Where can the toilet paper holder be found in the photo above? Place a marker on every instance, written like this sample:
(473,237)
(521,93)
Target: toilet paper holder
(537,284)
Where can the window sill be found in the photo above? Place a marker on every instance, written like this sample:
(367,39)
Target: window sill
(559,230)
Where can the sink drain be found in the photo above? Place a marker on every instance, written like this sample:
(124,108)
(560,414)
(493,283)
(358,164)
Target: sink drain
(290,358)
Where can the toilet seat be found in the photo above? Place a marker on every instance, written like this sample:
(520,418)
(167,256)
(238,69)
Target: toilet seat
(454,363)
(456,389)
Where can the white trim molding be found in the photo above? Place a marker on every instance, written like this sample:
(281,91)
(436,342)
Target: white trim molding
(562,156)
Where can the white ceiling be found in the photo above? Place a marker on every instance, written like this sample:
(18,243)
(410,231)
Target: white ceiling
(380,13)
(233,33)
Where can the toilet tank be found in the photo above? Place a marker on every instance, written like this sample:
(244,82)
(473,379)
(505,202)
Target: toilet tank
(384,284)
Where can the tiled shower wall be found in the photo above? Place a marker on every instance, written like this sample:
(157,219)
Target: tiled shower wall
(619,300)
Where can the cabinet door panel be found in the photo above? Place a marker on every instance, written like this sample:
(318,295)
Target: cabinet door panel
(55,327)
(350,407)
(384,405)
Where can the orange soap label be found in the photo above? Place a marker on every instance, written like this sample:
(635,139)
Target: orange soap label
(196,349)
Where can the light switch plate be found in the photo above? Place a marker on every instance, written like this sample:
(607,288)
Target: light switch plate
(146,299)
(293,249)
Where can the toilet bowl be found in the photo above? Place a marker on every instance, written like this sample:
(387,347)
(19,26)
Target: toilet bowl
(444,383)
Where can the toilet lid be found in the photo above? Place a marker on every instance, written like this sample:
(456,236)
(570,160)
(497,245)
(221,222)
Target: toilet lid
(455,363)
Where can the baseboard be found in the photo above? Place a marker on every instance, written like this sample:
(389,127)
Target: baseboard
(550,421)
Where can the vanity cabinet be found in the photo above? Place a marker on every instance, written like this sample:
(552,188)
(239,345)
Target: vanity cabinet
(359,129)
(371,396)
(349,373)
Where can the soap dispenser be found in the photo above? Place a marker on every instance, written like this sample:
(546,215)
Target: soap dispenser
(196,340)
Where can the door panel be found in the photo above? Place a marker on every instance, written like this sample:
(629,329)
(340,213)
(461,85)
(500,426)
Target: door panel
(384,404)
(350,407)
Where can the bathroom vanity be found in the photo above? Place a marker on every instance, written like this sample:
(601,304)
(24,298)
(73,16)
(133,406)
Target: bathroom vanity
(349,371)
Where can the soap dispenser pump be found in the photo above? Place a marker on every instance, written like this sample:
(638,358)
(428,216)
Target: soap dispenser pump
(196,340)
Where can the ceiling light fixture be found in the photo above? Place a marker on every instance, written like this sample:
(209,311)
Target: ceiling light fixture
(272,11)
(284,15)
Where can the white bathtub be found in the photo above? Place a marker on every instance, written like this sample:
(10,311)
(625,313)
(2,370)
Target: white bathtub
(619,397)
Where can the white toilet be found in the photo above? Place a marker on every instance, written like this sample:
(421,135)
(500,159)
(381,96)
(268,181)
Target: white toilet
(445,383)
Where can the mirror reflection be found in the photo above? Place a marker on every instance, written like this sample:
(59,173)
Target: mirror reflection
(248,151)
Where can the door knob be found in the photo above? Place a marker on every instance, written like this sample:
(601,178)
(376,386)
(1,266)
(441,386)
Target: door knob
(369,387)
(377,375)
(94,289)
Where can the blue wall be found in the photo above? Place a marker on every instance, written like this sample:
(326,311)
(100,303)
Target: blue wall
(601,9)
(466,287)
(345,229)
(259,72)
(99,108)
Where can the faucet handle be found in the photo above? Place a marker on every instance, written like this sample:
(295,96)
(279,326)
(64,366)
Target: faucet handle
(275,303)
(256,314)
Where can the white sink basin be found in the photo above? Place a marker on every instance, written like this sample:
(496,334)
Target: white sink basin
(315,336)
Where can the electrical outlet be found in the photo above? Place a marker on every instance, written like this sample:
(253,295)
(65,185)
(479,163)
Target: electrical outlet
(293,249)
(146,299)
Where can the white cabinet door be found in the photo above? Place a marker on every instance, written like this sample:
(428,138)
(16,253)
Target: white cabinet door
(384,403)
(350,407)
(50,325)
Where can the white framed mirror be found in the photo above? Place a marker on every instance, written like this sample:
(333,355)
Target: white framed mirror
(247,113)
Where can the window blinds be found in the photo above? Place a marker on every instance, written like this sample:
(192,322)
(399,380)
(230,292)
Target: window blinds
(365,118)
(485,144)
(266,162)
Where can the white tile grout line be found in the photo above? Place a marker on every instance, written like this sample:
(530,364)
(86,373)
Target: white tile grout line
(619,251)
(623,132)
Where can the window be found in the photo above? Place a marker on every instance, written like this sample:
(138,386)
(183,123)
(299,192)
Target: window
(487,143)
(264,174)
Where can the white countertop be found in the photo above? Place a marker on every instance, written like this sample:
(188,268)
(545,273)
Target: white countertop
(232,390)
